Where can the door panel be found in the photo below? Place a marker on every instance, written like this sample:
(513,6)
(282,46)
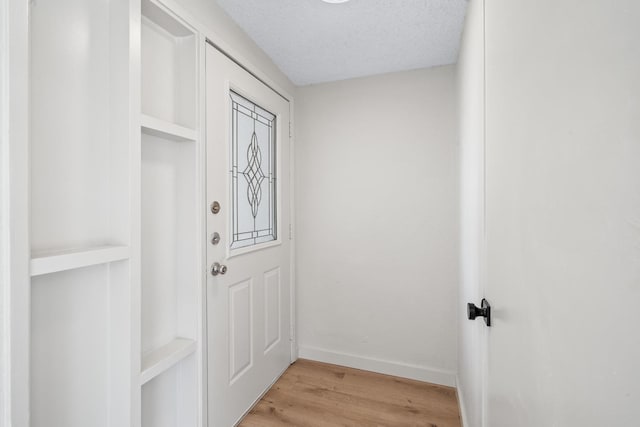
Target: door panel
(272,309)
(240,329)
(563,212)
(248,316)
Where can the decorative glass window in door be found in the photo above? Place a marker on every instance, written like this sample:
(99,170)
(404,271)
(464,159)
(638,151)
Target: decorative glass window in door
(253,173)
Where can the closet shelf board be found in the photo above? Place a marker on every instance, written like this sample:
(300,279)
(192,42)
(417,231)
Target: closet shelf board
(164,129)
(158,361)
(55,261)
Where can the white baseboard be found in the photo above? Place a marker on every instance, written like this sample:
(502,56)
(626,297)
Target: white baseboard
(398,369)
(463,408)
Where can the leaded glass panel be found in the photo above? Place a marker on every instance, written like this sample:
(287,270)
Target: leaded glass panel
(253,173)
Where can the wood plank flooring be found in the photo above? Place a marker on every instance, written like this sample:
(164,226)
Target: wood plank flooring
(313,394)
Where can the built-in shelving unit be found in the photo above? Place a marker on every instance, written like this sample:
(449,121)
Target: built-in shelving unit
(171,273)
(116,216)
(82,178)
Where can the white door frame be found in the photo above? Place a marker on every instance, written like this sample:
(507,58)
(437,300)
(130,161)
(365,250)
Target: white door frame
(14,219)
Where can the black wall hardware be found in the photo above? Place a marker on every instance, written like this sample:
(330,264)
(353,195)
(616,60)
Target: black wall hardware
(483,311)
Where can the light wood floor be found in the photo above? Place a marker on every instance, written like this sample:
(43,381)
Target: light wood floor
(313,394)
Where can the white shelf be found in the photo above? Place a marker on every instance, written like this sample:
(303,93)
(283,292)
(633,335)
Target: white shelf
(164,129)
(157,361)
(164,19)
(52,262)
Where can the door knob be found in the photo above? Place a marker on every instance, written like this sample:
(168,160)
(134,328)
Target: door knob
(218,268)
(483,311)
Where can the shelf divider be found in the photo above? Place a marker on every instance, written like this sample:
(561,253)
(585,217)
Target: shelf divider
(164,129)
(157,361)
(55,261)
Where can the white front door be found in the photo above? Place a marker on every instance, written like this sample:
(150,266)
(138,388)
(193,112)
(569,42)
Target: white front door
(248,305)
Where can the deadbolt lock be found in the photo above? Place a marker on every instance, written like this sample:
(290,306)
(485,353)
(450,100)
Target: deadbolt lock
(215,239)
(215,207)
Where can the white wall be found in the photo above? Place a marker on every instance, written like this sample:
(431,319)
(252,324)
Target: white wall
(471,96)
(377,223)
(563,212)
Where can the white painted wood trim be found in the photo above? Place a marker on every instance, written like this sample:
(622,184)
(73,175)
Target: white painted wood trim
(292,236)
(5,385)
(52,262)
(202,191)
(463,408)
(158,361)
(398,369)
(14,178)
(164,129)
(201,218)
(134,311)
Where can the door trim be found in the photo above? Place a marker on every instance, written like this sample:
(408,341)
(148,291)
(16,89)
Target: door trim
(15,281)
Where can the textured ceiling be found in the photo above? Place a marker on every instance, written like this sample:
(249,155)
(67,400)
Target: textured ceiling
(312,41)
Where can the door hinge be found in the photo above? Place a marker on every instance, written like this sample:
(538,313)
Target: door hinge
(290,130)
(290,231)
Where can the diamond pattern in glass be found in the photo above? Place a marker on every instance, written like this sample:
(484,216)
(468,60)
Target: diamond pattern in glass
(254,175)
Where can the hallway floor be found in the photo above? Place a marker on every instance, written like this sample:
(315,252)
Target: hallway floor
(313,394)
